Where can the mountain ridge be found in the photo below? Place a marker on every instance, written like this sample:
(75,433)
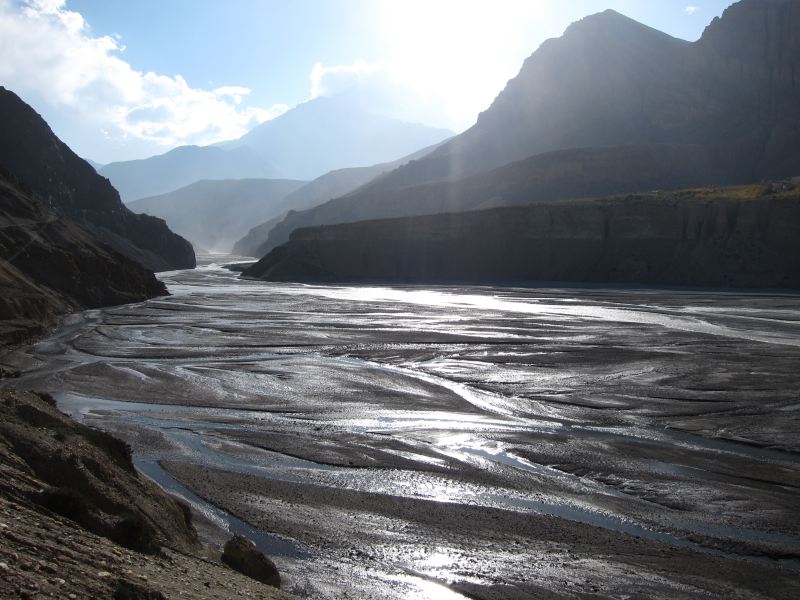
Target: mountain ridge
(179,167)
(66,183)
(333,184)
(51,266)
(610,82)
(733,237)
(315,137)
(300,140)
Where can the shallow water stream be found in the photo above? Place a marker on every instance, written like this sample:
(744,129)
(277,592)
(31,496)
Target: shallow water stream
(409,442)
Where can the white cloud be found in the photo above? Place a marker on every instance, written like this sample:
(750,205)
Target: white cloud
(382,88)
(326,81)
(691,9)
(49,52)
(235,92)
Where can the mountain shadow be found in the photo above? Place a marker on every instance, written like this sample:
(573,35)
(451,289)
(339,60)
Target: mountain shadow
(70,186)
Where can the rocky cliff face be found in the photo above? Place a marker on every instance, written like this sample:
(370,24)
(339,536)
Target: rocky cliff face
(70,186)
(49,265)
(610,80)
(609,84)
(742,237)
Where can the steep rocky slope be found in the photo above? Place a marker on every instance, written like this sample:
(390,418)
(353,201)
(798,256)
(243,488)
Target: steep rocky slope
(731,99)
(77,521)
(747,237)
(50,265)
(70,186)
(251,243)
(610,81)
(214,214)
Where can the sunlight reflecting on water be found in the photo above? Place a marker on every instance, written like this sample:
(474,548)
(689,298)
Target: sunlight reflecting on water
(431,436)
(539,307)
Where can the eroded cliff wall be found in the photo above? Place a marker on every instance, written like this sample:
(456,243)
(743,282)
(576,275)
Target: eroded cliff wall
(740,237)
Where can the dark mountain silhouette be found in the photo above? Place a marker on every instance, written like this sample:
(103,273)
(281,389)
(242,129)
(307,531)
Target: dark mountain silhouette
(184,165)
(214,214)
(329,133)
(50,266)
(611,81)
(743,237)
(589,107)
(330,185)
(69,185)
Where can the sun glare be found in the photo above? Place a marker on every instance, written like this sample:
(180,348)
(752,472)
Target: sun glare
(459,53)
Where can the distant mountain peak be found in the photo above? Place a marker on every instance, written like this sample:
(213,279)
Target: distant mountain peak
(729,102)
(333,132)
(613,23)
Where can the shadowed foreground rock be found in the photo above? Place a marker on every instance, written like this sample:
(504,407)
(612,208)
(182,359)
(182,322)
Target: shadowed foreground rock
(87,477)
(242,555)
(77,521)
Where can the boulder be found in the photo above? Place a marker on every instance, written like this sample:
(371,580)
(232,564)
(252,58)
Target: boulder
(242,555)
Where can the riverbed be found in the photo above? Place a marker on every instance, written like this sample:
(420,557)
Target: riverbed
(448,442)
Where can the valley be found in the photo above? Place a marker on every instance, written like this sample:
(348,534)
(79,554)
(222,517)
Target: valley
(400,300)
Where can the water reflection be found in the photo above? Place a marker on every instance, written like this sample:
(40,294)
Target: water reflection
(469,435)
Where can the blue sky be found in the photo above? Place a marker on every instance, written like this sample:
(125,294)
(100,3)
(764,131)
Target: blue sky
(118,79)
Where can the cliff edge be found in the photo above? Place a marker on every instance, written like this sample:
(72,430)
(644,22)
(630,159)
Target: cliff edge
(746,236)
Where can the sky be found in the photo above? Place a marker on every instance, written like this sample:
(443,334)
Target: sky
(121,79)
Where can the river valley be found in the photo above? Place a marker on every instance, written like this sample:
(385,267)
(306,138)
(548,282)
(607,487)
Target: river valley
(450,442)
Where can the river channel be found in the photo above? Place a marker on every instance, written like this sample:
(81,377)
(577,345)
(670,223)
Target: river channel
(449,442)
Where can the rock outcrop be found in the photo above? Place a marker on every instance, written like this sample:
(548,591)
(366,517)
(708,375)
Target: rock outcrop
(77,521)
(70,186)
(88,477)
(580,173)
(242,555)
(736,237)
(49,266)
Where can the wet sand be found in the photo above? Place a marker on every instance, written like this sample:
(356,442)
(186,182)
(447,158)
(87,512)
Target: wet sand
(412,442)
